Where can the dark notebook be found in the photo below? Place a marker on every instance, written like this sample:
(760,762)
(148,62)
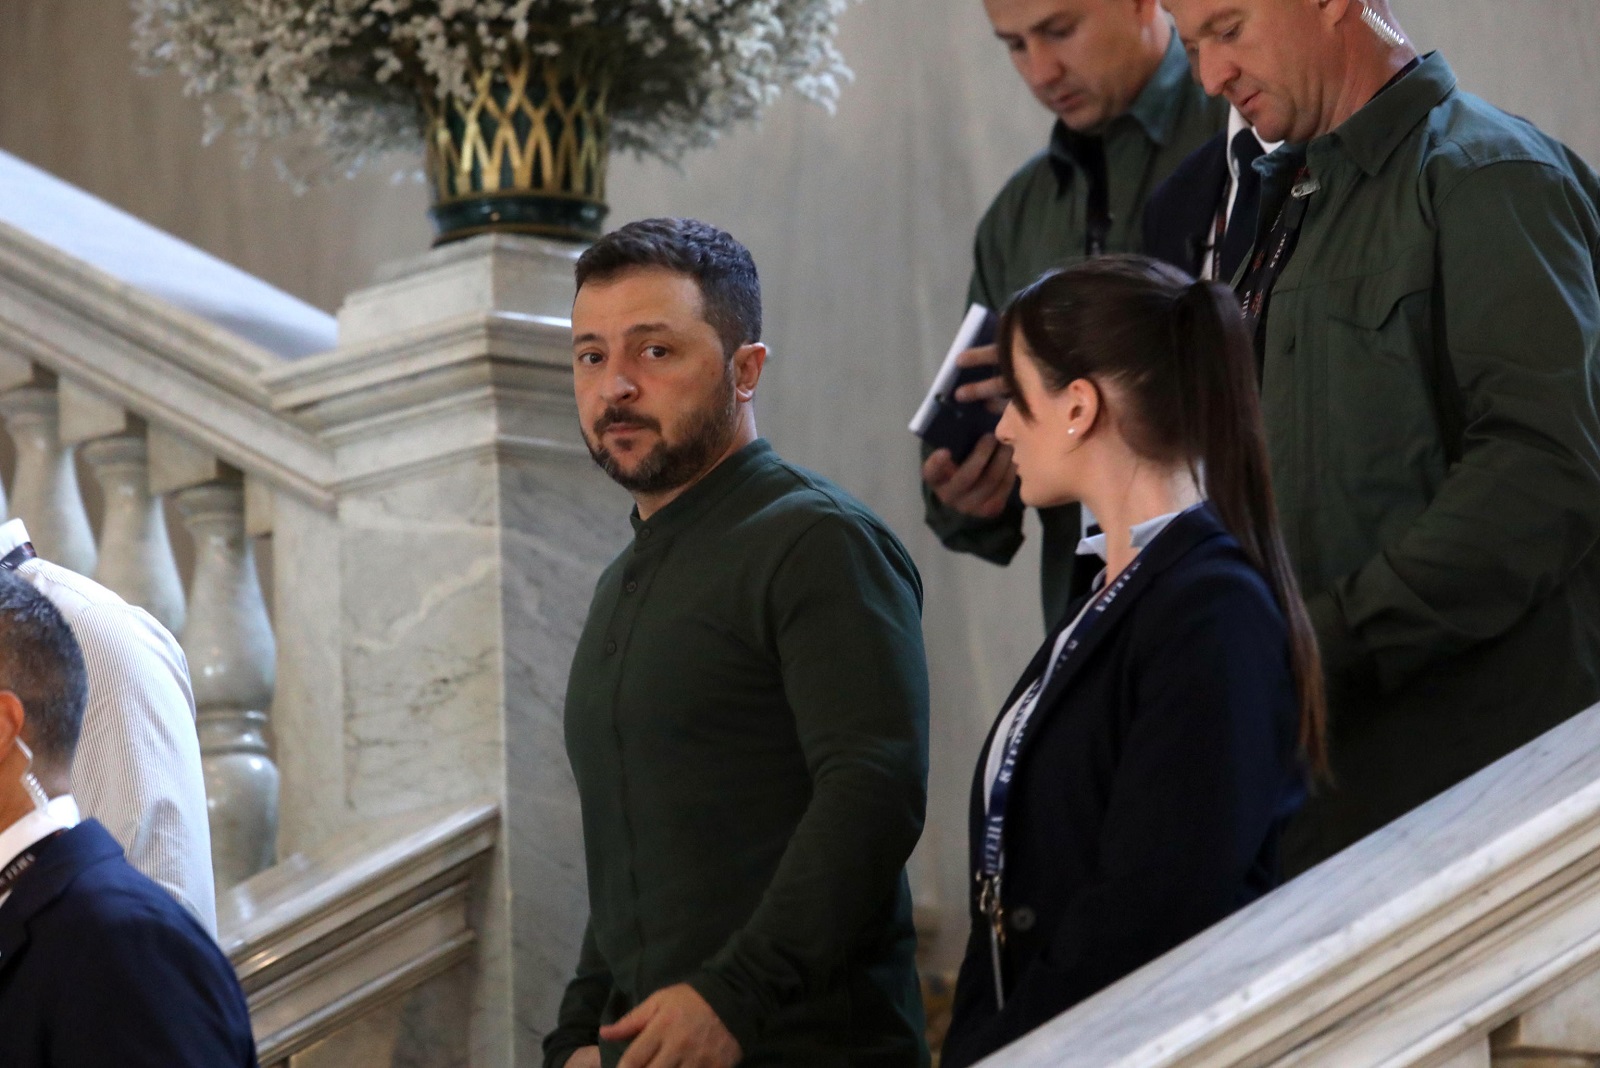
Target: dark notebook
(942,421)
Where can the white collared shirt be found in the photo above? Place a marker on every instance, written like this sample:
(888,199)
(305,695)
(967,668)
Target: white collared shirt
(60,815)
(1237,124)
(1139,535)
(137,768)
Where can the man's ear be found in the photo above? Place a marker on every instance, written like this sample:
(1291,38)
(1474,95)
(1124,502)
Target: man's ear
(748,362)
(1333,12)
(12,719)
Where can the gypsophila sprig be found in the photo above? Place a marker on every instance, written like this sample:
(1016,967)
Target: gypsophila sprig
(335,83)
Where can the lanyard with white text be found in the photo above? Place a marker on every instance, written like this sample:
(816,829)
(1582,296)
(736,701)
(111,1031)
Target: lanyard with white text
(19,866)
(993,865)
(17,557)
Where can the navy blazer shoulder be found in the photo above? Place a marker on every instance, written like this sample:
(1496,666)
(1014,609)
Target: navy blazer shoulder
(1151,787)
(1181,214)
(100,967)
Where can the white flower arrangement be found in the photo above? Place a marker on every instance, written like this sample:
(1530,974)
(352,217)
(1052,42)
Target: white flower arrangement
(347,75)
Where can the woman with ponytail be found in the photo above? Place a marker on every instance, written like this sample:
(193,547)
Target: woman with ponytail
(1134,788)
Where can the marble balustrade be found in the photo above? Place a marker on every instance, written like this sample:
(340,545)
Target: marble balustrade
(222,624)
(358,931)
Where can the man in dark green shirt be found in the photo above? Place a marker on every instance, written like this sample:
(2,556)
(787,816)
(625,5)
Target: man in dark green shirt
(1127,113)
(747,711)
(1425,285)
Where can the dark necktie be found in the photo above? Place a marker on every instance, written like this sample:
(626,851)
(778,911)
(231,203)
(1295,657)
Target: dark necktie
(1089,152)
(1241,233)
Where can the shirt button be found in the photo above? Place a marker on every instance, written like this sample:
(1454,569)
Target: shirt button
(631,587)
(611,646)
(645,533)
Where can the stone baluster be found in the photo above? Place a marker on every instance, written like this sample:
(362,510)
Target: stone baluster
(136,557)
(135,553)
(44,493)
(1563,1031)
(232,657)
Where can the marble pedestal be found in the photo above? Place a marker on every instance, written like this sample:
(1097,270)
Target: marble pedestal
(436,607)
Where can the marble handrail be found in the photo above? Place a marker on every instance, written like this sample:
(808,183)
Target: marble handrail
(1409,949)
(325,936)
(177,337)
(144,258)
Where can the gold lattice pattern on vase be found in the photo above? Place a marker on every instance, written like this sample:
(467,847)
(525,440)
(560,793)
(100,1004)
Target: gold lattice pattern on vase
(534,126)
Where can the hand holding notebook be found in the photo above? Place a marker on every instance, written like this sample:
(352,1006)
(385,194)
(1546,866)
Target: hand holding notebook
(945,422)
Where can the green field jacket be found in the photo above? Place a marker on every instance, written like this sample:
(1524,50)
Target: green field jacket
(1429,390)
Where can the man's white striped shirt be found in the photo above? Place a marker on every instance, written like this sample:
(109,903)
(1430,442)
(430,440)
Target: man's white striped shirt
(137,768)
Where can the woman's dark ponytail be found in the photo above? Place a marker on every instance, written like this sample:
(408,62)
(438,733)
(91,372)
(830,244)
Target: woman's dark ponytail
(1181,353)
(1221,427)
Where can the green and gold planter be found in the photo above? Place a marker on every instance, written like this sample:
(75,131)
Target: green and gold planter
(527,155)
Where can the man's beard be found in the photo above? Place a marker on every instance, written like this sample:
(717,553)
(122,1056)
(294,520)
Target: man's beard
(670,466)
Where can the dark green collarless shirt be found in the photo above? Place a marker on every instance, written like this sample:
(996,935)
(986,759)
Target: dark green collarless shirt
(1429,384)
(747,721)
(1040,221)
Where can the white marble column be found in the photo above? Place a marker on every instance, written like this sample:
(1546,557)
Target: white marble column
(232,660)
(44,493)
(135,551)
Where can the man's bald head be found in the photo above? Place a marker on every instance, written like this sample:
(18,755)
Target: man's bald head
(1296,69)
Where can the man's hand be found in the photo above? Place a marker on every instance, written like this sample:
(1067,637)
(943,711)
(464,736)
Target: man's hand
(674,1028)
(587,1057)
(992,389)
(980,485)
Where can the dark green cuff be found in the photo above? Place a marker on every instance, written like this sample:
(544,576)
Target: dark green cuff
(995,540)
(739,1015)
(557,1058)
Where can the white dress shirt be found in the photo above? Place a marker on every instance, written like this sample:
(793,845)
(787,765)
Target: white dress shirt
(1237,123)
(137,768)
(1140,535)
(60,815)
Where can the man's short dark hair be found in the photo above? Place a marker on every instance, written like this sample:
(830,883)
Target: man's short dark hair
(41,663)
(730,289)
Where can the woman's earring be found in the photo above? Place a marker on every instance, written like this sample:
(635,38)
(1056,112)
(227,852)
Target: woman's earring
(1072,430)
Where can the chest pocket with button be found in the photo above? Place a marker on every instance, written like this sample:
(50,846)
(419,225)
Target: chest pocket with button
(1366,345)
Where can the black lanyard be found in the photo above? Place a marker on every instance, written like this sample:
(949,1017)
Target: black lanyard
(1219,235)
(1270,260)
(25,860)
(17,557)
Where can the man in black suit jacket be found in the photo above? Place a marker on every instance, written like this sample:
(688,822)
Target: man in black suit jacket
(1207,193)
(98,965)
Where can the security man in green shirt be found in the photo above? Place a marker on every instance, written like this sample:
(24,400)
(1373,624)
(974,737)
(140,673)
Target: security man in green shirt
(1127,113)
(747,711)
(1424,284)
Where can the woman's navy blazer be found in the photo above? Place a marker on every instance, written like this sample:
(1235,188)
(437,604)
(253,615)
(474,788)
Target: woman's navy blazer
(1153,780)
